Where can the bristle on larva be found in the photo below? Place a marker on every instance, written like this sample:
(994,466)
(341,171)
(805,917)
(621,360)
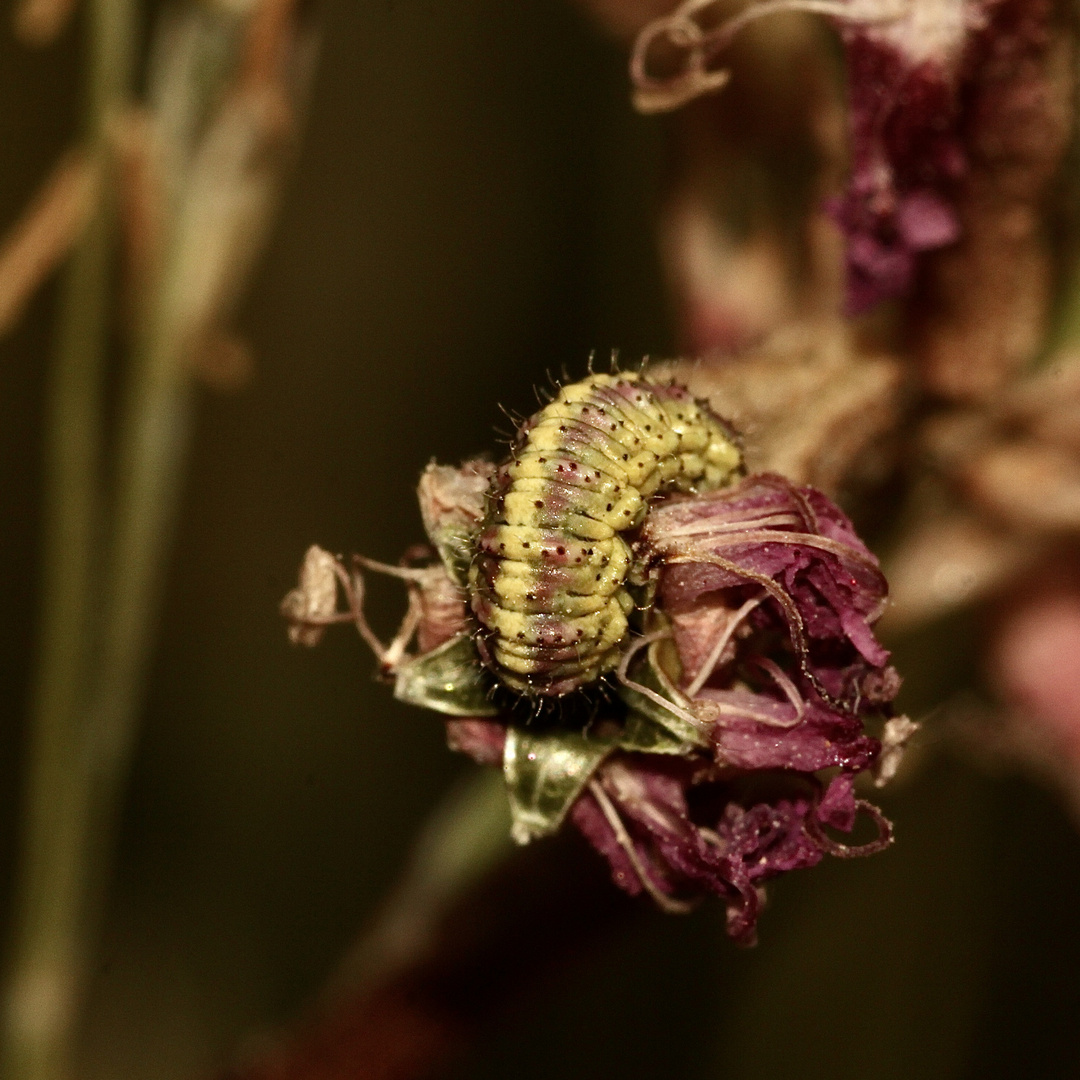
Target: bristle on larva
(548,584)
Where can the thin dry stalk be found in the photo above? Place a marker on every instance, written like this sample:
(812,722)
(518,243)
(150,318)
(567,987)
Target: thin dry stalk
(40,22)
(58,874)
(46,233)
(142,206)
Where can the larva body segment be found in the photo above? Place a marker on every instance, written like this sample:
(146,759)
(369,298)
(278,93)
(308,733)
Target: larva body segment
(548,583)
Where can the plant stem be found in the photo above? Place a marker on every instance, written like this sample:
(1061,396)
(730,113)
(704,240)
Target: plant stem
(50,943)
(467,834)
(150,450)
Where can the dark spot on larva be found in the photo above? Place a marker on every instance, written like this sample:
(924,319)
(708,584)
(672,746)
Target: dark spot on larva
(530,596)
(626,513)
(543,460)
(502,547)
(562,427)
(573,466)
(609,506)
(561,550)
(525,543)
(626,457)
(539,504)
(597,577)
(604,561)
(521,635)
(580,633)
(648,427)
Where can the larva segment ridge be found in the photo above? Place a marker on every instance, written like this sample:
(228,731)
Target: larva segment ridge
(548,585)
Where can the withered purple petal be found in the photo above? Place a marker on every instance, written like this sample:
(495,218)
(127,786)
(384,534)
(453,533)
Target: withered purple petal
(819,740)
(766,536)
(729,843)
(837,807)
(907,157)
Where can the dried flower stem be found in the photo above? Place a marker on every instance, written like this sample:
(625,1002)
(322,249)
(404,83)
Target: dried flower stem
(467,834)
(407,998)
(51,931)
(46,233)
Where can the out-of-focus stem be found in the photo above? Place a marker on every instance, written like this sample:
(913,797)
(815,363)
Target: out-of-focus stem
(49,946)
(473,923)
(150,452)
(1064,335)
(467,834)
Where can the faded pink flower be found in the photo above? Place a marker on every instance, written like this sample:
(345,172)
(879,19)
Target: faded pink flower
(770,596)
(923,78)
(725,748)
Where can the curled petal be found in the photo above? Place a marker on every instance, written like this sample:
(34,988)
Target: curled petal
(767,538)
(755,732)
(839,808)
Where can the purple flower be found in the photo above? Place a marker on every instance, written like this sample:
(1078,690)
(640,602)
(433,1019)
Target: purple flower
(742,698)
(932,89)
(906,150)
(770,598)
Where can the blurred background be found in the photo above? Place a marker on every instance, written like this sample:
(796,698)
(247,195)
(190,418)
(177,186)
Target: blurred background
(472,205)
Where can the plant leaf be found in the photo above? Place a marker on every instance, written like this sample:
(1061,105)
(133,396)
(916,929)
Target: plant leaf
(449,679)
(545,773)
(643,735)
(685,734)
(455,544)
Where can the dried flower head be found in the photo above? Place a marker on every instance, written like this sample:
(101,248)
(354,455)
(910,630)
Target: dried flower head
(721,746)
(935,92)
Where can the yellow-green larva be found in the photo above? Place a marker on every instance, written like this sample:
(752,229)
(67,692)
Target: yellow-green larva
(548,585)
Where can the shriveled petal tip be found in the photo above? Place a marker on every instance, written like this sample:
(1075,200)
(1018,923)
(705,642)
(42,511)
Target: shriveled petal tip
(894,739)
(454,496)
(314,598)
(452,504)
(442,610)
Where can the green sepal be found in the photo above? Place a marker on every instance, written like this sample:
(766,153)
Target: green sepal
(455,543)
(643,735)
(545,772)
(449,679)
(684,734)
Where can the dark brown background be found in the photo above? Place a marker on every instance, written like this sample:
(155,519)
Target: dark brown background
(471,207)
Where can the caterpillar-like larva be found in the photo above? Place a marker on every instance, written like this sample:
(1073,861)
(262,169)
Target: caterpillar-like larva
(548,585)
